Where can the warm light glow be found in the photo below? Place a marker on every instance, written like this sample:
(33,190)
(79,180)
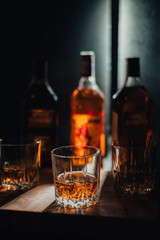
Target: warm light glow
(39,154)
(102,144)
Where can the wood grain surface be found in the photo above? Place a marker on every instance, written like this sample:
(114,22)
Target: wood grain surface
(35,212)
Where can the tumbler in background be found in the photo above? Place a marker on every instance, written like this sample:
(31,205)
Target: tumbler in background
(19,165)
(134,166)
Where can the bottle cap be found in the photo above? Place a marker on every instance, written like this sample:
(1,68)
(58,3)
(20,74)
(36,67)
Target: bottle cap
(87,63)
(133,68)
(40,69)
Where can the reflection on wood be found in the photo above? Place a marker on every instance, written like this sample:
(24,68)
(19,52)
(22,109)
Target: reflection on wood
(35,200)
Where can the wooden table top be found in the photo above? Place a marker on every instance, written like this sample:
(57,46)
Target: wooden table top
(36,212)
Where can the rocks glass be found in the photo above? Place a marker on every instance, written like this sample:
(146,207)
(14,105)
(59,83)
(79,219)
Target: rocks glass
(134,166)
(19,165)
(76,171)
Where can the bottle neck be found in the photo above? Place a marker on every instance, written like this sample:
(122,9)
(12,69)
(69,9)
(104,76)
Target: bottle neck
(133,73)
(87,79)
(133,81)
(40,71)
(88,71)
(87,67)
(87,82)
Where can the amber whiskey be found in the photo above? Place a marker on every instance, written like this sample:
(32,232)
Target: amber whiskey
(87,108)
(132,108)
(12,176)
(40,113)
(76,186)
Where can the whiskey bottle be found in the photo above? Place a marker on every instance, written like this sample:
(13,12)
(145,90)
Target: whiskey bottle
(132,108)
(87,107)
(40,113)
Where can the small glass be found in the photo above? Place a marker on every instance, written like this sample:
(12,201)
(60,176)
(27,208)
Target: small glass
(134,166)
(19,165)
(76,171)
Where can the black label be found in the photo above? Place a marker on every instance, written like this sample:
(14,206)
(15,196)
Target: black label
(136,119)
(40,118)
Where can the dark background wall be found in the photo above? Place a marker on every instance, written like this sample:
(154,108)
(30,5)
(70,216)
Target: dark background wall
(58,31)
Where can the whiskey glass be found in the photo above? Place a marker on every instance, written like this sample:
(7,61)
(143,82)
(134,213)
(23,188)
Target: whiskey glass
(19,165)
(76,171)
(134,166)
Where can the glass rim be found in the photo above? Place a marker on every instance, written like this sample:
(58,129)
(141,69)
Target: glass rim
(115,145)
(18,144)
(98,151)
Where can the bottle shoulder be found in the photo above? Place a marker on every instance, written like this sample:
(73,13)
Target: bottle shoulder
(87,93)
(131,97)
(40,94)
(131,92)
(41,89)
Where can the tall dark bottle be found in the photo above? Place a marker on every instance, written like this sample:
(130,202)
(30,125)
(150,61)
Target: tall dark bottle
(40,112)
(132,107)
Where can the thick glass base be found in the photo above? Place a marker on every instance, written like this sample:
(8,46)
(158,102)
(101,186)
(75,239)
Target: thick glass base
(135,183)
(76,204)
(14,186)
(137,190)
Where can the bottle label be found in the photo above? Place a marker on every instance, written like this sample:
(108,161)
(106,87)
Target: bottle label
(130,125)
(85,130)
(136,119)
(40,117)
